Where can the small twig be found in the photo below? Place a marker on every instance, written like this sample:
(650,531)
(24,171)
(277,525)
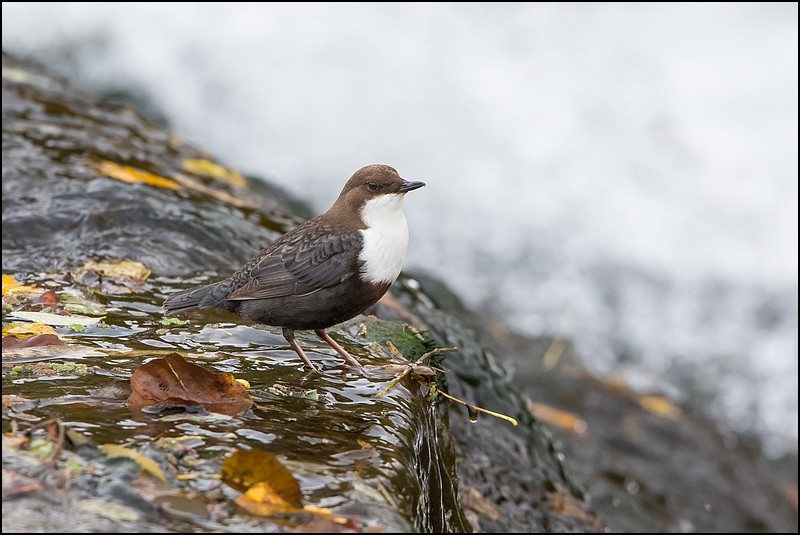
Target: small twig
(472,408)
(394,381)
(437,351)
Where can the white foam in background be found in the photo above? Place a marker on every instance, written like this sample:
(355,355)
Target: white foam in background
(625,175)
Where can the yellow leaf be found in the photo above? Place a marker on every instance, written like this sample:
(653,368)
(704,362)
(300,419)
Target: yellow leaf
(326,514)
(244,382)
(147,464)
(123,270)
(24,330)
(563,419)
(8,283)
(132,175)
(215,171)
(261,499)
(248,468)
(660,406)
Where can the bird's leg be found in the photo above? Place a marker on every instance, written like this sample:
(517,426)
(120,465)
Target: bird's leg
(339,349)
(289,335)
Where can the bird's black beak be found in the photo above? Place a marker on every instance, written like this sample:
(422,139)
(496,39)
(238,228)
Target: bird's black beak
(409,186)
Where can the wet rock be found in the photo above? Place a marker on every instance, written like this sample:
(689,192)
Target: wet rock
(87,181)
(646,463)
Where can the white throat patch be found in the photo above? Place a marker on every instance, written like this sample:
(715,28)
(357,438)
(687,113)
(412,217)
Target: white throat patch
(385,239)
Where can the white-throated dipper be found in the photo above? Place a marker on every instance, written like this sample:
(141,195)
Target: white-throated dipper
(323,272)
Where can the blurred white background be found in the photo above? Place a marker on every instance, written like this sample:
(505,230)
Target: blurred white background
(622,175)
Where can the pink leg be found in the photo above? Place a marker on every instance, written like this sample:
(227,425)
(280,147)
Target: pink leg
(289,335)
(339,349)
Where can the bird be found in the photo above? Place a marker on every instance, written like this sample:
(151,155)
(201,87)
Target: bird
(323,272)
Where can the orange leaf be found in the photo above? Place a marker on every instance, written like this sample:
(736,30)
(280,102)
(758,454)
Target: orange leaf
(172,381)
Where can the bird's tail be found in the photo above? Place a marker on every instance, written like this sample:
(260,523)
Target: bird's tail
(209,296)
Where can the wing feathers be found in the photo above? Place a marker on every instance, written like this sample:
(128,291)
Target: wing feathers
(299,263)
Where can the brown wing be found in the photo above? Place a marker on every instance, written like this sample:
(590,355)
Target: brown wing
(303,261)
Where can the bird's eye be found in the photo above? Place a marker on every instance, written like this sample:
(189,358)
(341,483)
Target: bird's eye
(372,185)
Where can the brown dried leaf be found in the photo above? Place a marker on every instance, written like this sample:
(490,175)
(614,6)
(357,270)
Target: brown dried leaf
(15,484)
(173,381)
(12,342)
(13,399)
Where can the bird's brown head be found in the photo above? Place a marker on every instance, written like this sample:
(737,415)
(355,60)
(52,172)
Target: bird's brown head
(371,183)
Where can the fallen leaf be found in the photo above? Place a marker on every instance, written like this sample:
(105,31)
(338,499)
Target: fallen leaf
(23,330)
(147,464)
(12,342)
(12,286)
(47,298)
(173,381)
(173,321)
(269,487)
(660,406)
(8,283)
(15,484)
(79,301)
(248,468)
(54,319)
(262,500)
(565,420)
(115,277)
(133,175)
(13,399)
(214,170)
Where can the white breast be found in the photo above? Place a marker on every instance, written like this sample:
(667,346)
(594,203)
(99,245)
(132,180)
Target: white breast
(385,239)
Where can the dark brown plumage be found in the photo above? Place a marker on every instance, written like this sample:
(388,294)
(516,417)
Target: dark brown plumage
(323,272)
